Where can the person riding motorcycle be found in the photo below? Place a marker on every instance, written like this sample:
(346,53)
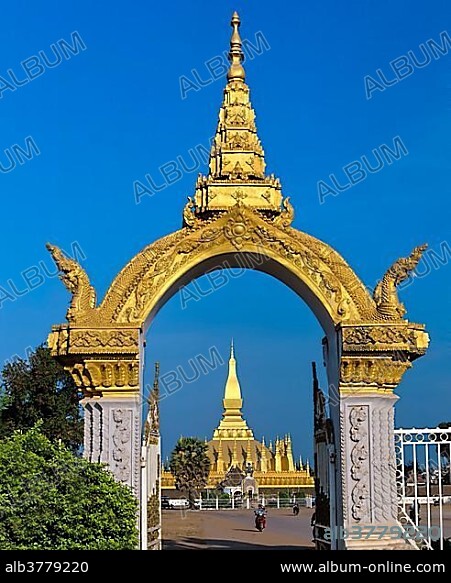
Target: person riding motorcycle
(260,514)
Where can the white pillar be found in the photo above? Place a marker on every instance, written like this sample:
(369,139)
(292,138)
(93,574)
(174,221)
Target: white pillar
(143,499)
(368,468)
(113,436)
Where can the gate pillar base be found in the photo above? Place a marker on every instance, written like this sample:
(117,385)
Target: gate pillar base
(374,543)
(373,362)
(370,503)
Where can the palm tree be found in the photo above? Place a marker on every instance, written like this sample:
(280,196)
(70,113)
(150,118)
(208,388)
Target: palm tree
(190,467)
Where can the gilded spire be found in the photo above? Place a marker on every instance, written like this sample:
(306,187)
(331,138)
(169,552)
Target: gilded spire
(232,423)
(235,461)
(236,55)
(263,459)
(232,395)
(289,454)
(237,160)
(248,452)
(220,460)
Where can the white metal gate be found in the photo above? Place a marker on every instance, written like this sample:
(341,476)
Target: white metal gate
(424,485)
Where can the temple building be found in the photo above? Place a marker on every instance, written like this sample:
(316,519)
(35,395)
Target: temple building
(239,461)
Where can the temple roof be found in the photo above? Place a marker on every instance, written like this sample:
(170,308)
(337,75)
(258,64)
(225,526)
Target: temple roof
(238,452)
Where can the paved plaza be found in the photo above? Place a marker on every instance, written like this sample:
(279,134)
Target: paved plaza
(234,530)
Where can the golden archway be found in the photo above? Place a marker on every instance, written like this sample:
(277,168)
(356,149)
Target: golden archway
(309,266)
(238,209)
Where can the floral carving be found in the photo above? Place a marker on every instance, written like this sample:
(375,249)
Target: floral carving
(104,339)
(237,229)
(121,461)
(359,467)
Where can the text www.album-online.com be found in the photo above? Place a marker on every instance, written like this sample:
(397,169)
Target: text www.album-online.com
(387,567)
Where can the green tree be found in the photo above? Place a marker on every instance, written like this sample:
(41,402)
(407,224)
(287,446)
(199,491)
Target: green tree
(52,499)
(40,389)
(190,466)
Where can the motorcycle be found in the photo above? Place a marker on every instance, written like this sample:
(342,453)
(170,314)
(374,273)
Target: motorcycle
(260,522)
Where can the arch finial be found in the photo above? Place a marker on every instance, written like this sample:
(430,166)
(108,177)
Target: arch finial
(236,55)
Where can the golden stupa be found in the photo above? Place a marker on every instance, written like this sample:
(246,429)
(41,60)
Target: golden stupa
(233,448)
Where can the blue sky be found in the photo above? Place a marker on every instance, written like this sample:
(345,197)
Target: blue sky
(109,115)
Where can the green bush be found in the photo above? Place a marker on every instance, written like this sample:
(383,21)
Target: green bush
(51,499)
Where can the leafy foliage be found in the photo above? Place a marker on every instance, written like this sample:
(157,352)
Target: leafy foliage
(52,499)
(40,389)
(190,467)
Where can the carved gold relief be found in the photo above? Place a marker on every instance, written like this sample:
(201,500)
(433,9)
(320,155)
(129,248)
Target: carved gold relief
(382,372)
(369,336)
(242,229)
(189,219)
(64,341)
(286,217)
(86,341)
(385,294)
(76,281)
(98,376)
(404,341)
(238,229)
(58,340)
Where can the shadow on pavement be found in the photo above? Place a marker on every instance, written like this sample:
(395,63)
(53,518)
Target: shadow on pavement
(197,544)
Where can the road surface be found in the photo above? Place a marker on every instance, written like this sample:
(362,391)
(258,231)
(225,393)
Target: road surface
(234,529)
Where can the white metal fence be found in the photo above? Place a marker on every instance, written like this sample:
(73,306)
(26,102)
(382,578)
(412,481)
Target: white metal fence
(233,503)
(424,485)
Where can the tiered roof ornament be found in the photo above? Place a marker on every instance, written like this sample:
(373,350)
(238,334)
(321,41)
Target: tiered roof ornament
(237,160)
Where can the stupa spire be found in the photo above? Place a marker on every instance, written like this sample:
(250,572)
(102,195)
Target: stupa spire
(232,393)
(232,423)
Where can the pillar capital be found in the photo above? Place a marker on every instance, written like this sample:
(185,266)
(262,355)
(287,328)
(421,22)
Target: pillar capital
(66,341)
(102,361)
(105,365)
(375,356)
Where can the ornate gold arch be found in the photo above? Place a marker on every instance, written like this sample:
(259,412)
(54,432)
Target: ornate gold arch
(140,286)
(142,283)
(114,326)
(236,209)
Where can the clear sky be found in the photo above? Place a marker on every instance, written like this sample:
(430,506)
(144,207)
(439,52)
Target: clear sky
(113,112)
